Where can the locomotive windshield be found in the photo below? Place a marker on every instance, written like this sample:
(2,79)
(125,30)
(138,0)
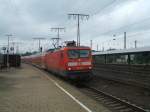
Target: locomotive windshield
(73,53)
(84,53)
(78,53)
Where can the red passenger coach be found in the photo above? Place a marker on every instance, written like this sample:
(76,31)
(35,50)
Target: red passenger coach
(70,61)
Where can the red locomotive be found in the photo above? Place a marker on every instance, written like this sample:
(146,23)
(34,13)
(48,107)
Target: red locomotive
(70,61)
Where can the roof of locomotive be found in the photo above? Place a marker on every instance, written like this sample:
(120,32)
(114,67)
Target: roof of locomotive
(124,51)
(67,48)
(76,47)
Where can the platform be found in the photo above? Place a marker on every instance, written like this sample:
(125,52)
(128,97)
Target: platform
(28,89)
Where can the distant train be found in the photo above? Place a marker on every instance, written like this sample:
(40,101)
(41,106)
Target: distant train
(131,66)
(71,61)
(135,56)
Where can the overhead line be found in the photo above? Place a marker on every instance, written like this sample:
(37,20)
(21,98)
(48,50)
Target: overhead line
(106,6)
(126,26)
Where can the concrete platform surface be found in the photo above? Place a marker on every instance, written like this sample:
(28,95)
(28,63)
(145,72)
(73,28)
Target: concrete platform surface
(27,89)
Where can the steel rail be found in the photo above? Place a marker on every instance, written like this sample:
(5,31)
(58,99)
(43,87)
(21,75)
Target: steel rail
(124,104)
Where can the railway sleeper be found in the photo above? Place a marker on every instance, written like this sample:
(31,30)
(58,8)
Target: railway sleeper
(115,104)
(110,103)
(120,107)
(126,110)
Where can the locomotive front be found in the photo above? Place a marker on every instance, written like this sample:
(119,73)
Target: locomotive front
(79,62)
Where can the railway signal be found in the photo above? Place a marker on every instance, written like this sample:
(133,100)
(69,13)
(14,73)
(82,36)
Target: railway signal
(78,17)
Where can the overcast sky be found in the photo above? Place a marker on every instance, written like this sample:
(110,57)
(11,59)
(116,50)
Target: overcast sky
(26,19)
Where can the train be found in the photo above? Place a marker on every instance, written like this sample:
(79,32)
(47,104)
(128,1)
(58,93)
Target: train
(130,66)
(70,61)
(134,56)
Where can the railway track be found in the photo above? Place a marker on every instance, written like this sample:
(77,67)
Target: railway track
(112,102)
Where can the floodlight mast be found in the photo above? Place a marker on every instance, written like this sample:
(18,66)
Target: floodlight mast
(78,17)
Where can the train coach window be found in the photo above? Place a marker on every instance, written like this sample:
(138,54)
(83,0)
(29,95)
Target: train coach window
(122,59)
(117,59)
(109,58)
(140,58)
(78,53)
(99,59)
(84,53)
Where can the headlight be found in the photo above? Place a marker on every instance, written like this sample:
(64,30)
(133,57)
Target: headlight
(69,68)
(90,67)
(72,63)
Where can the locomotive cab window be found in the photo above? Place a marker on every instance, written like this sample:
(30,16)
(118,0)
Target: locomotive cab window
(84,53)
(78,53)
(73,54)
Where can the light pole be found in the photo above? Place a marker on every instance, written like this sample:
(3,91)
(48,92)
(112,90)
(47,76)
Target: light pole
(8,35)
(103,46)
(135,43)
(113,42)
(125,40)
(114,35)
(13,47)
(97,47)
(91,42)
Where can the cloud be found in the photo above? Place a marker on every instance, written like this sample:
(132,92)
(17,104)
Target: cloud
(27,19)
